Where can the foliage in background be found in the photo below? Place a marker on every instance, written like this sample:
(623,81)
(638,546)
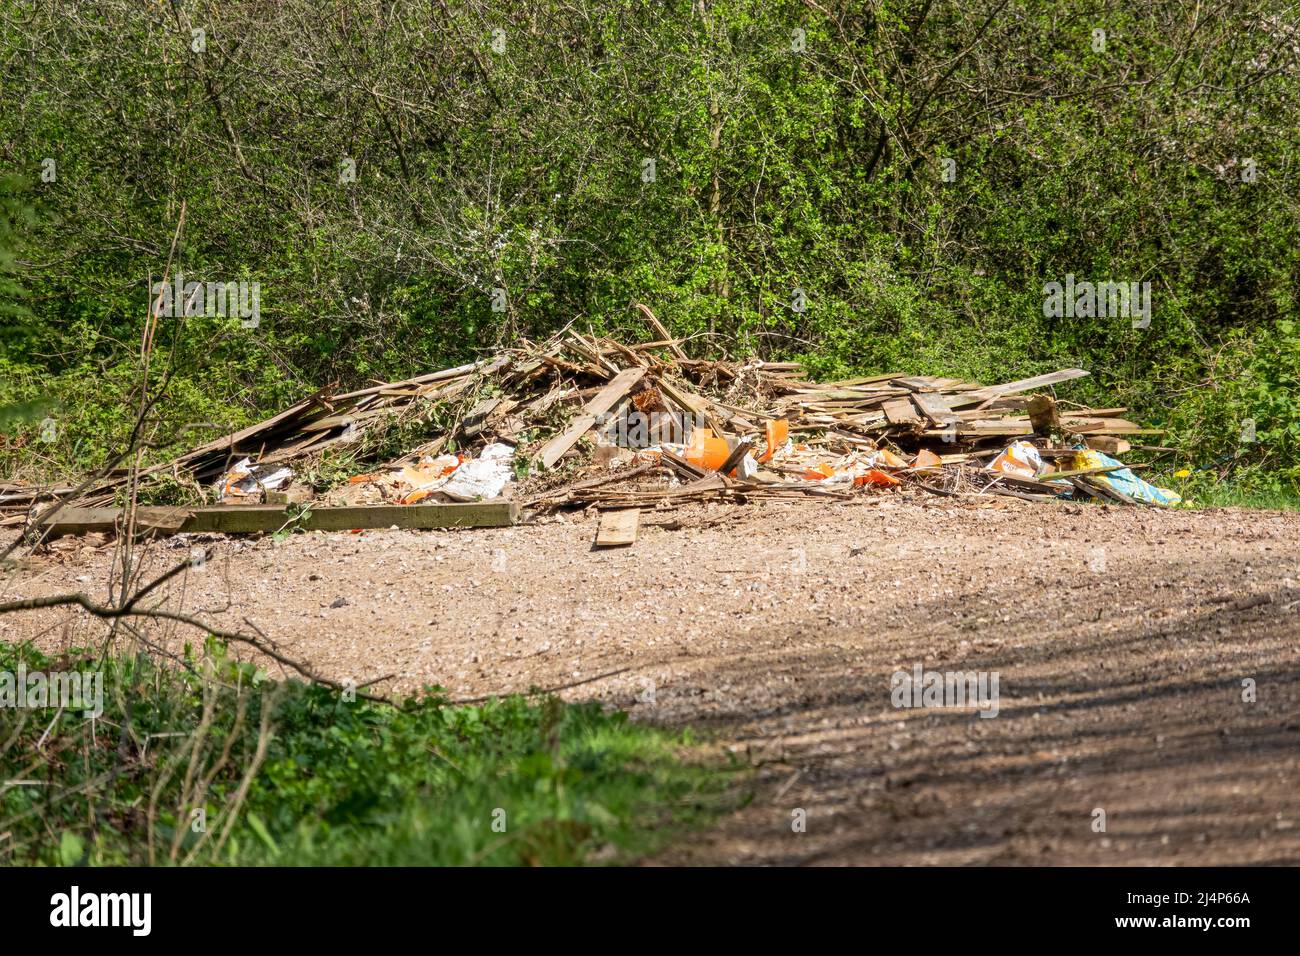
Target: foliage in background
(507,147)
(339,783)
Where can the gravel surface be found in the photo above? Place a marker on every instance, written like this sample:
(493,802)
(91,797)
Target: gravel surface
(1120,638)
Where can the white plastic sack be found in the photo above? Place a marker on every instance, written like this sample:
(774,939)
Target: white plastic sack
(483,478)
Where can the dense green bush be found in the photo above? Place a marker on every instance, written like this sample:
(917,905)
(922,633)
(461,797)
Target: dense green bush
(1245,414)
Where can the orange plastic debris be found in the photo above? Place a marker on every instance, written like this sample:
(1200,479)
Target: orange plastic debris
(707,450)
(819,472)
(876,477)
(777,431)
(926,459)
(890,459)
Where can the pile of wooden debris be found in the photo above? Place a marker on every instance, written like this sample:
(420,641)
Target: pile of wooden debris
(582,420)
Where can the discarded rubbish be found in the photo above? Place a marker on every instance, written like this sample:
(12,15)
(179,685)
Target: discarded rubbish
(589,421)
(777,432)
(707,450)
(483,478)
(877,477)
(247,482)
(926,460)
(1123,480)
(1020,459)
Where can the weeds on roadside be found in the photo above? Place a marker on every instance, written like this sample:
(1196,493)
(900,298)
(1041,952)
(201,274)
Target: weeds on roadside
(219,765)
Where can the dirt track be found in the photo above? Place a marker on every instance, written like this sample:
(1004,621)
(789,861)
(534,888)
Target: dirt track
(1121,638)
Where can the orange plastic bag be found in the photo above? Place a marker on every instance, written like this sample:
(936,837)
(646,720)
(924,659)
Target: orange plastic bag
(889,459)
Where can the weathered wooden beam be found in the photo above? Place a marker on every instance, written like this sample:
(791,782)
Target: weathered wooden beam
(106,520)
(935,407)
(1043,416)
(1108,444)
(660,329)
(253,519)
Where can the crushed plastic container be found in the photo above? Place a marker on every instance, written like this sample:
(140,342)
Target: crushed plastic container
(876,477)
(706,450)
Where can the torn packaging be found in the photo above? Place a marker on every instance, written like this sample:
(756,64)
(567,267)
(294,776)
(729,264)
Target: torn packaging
(1122,480)
(247,481)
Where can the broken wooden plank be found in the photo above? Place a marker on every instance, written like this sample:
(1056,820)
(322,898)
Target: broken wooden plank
(607,398)
(680,465)
(475,418)
(1043,416)
(918,383)
(661,330)
(1107,490)
(226,445)
(1107,444)
(733,458)
(1081,472)
(935,407)
(618,528)
(697,406)
(851,382)
(1021,385)
(441,376)
(1099,427)
(901,412)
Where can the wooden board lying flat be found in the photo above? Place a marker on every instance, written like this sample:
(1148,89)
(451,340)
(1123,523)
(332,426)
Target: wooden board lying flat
(901,412)
(852,382)
(1108,444)
(618,527)
(250,519)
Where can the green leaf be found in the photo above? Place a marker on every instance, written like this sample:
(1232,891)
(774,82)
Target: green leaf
(71,849)
(263,834)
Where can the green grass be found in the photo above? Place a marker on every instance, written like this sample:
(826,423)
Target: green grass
(1229,495)
(507,782)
